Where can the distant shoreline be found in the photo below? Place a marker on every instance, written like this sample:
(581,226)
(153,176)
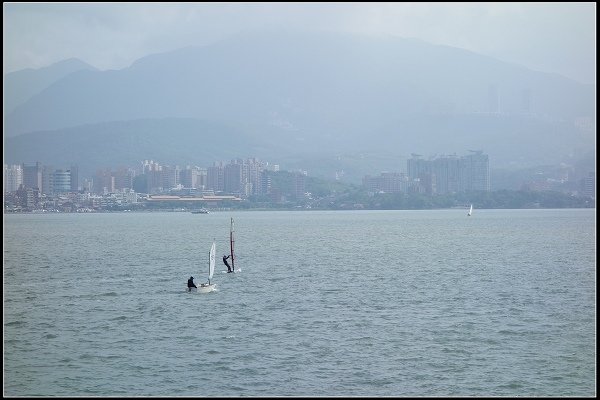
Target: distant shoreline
(288,209)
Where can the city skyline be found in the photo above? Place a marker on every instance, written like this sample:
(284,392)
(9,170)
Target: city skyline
(213,177)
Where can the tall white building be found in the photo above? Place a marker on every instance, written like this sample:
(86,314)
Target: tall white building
(13,178)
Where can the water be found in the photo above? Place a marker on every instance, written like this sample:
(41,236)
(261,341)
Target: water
(358,303)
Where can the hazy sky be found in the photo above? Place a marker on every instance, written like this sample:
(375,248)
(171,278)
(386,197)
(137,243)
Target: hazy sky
(550,37)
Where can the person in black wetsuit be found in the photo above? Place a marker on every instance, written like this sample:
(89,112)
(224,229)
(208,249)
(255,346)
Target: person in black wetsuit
(191,284)
(226,263)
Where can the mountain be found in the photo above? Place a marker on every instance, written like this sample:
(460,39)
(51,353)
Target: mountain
(309,82)
(307,95)
(169,141)
(20,86)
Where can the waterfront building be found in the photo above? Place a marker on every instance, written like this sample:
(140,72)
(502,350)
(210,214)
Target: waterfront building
(447,174)
(232,178)
(124,178)
(475,172)
(416,166)
(32,175)
(193,177)
(215,177)
(589,185)
(61,181)
(387,182)
(74,170)
(13,178)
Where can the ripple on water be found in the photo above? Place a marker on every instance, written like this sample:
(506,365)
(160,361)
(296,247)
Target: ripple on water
(487,309)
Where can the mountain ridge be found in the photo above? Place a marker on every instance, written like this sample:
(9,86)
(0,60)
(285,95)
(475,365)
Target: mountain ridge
(21,85)
(296,95)
(246,77)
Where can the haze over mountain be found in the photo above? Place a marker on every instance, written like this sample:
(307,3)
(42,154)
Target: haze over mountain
(127,143)
(20,86)
(295,94)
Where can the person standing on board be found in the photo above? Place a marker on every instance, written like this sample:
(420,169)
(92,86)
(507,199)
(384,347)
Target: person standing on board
(191,284)
(226,263)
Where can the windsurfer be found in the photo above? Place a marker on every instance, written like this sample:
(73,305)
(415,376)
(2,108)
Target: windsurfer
(226,263)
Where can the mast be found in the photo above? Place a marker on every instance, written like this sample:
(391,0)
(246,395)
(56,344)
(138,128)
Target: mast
(231,241)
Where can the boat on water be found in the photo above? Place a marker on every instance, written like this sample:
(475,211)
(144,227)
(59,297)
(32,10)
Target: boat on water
(208,286)
(470,211)
(202,211)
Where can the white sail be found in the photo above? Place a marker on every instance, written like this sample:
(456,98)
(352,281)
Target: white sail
(211,261)
(470,210)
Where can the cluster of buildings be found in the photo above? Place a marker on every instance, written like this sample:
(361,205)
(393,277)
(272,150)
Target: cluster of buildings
(242,177)
(34,186)
(441,175)
(150,184)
